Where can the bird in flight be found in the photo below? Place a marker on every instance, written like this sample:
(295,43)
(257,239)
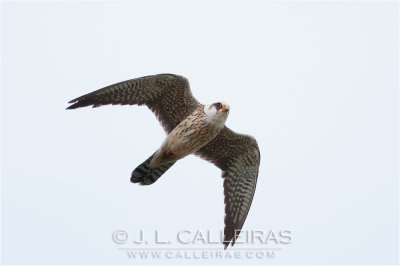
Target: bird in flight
(192,128)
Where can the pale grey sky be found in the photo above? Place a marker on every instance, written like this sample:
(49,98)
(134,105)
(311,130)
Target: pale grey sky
(314,82)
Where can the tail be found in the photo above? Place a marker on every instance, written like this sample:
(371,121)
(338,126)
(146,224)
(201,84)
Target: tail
(145,175)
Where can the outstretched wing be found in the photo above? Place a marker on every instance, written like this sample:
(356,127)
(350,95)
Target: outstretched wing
(167,95)
(238,157)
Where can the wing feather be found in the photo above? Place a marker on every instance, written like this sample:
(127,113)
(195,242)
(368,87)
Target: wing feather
(167,95)
(238,156)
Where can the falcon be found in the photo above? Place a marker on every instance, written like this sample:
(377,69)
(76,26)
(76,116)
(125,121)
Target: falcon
(192,128)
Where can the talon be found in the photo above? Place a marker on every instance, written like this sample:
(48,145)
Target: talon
(169,154)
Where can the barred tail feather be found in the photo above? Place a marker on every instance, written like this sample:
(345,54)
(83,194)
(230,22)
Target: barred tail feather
(145,175)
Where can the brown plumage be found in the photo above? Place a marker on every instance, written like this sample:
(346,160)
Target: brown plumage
(192,128)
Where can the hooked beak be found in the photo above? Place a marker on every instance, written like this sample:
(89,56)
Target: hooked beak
(225,108)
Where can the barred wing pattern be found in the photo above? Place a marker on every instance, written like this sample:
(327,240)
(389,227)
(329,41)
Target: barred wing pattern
(167,95)
(170,99)
(238,156)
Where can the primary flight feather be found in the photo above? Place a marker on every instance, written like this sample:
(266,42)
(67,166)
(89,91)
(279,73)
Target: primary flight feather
(192,128)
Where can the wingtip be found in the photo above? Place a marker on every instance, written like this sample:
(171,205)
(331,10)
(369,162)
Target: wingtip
(71,107)
(226,243)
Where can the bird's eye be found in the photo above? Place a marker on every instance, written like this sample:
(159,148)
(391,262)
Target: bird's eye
(218,105)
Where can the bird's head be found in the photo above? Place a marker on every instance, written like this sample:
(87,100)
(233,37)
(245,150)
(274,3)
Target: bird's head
(217,112)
